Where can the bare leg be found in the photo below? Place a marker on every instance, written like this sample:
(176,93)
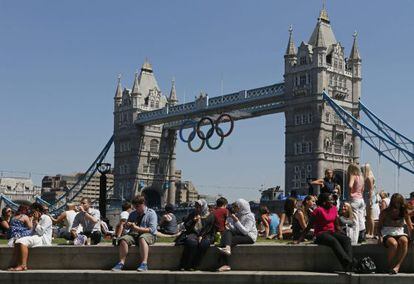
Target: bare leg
(402,252)
(143,250)
(24,254)
(392,247)
(123,251)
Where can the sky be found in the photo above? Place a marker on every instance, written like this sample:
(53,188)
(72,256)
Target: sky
(59,62)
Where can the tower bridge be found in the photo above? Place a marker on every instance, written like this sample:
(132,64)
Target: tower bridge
(319,96)
(146,121)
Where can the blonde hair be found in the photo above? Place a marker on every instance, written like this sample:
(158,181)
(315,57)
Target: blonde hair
(367,171)
(353,169)
(348,211)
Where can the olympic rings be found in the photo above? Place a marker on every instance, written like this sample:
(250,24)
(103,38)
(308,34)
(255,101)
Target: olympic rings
(205,138)
(220,143)
(218,120)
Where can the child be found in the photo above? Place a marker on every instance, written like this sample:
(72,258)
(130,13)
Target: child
(120,228)
(220,216)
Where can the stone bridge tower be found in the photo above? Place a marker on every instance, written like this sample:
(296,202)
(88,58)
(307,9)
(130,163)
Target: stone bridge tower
(144,156)
(316,138)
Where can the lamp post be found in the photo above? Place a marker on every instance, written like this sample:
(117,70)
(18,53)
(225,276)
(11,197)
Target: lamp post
(103,169)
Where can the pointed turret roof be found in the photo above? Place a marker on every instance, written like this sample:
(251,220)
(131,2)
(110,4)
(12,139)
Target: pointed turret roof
(118,92)
(146,79)
(323,30)
(291,49)
(319,40)
(173,94)
(135,86)
(354,51)
(147,66)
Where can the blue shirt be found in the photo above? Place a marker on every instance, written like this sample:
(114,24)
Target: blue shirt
(149,219)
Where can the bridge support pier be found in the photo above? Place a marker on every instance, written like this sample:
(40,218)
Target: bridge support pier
(172,188)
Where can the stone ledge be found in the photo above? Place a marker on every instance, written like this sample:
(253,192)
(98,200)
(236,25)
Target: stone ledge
(162,276)
(259,257)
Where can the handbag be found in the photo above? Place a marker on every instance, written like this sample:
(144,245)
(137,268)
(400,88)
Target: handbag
(366,266)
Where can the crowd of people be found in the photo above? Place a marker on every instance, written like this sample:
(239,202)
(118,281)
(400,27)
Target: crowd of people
(330,219)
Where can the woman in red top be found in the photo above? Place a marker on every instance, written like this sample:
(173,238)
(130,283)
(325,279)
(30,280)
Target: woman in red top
(324,220)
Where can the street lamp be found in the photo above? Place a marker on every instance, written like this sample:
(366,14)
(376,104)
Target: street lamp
(103,169)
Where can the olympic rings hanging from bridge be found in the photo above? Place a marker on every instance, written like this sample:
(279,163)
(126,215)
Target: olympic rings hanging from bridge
(205,137)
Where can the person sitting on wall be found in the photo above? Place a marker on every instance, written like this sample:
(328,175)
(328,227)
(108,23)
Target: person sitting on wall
(67,217)
(20,225)
(90,220)
(241,229)
(6,215)
(121,229)
(42,225)
(142,225)
(220,216)
(168,222)
(197,237)
(301,216)
(324,220)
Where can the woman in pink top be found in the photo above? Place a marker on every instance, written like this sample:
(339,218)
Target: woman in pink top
(324,220)
(356,199)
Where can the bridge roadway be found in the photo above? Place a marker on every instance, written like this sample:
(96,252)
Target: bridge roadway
(240,105)
(258,263)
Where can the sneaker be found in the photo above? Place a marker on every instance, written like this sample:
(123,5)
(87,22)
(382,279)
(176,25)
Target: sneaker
(224,251)
(142,267)
(80,240)
(224,268)
(118,267)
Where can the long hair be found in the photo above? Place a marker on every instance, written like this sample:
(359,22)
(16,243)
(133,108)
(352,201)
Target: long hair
(398,202)
(290,205)
(353,169)
(303,207)
(367,172)
(23,209)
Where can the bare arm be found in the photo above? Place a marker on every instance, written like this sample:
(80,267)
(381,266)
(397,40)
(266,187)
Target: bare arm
(26,220)
(351,183)
(317,182)
(301,219)
(60,218)
(282,221)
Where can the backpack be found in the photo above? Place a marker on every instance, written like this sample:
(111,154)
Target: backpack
(366,266)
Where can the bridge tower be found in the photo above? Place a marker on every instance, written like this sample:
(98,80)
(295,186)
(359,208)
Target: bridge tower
(315,137)
(144,157)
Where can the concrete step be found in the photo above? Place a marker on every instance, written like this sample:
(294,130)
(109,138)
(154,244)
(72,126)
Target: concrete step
(258,257)
(173,277)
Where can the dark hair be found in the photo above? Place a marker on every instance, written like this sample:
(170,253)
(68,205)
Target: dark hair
(263,210)
(412,194)
(221,202)
(23,209)
(3,211)
(38,207)
(290,205)
(126,205)
(87,199)
(169,208)
(322,198)
(398,202)
(138,200)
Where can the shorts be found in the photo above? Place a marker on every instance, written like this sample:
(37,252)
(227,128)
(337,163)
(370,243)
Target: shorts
(385,238)
(134,239)
(30,241)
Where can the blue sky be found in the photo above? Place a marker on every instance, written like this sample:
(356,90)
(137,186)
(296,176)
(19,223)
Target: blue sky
(59,61)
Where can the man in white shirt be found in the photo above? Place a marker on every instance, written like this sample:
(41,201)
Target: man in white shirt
(90,220)
(42,236)
(67,217)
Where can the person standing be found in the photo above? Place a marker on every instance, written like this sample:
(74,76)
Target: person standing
(369,194)
(356,189)
(328,183)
